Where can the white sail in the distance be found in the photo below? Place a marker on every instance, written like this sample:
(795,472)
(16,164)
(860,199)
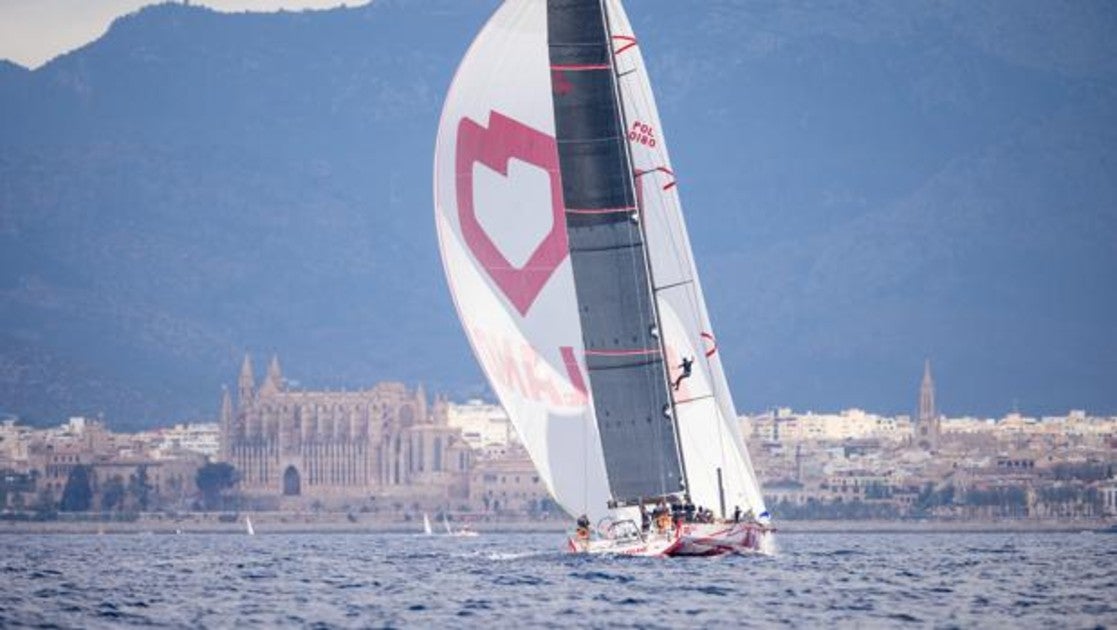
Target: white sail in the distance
(502,232)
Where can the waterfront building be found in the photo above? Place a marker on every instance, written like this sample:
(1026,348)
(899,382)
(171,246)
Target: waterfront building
(336,447)
(849,424)
(1108,493)
(507,484)
(14,439)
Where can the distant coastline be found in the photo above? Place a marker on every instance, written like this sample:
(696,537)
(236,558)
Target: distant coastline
(338,523)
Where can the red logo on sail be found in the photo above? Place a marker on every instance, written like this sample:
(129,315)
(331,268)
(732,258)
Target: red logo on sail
(494,146)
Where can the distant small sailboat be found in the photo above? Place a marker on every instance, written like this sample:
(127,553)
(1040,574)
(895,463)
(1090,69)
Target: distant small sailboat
(251,531)
(427,525)
(450,531)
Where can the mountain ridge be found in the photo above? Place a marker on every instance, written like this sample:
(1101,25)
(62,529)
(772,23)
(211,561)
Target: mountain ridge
(859,183)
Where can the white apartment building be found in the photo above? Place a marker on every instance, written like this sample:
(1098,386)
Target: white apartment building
(483,425)
(784,426)
(201,437)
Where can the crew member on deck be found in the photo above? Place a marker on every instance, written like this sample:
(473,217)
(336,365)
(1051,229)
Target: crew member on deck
(583,530)
(662,517)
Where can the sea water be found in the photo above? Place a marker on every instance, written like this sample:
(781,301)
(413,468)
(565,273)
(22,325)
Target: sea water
(518,580)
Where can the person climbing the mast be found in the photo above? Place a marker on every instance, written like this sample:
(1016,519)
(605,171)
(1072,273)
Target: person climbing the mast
(685,367)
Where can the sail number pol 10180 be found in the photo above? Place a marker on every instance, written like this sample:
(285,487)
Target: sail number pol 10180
(642,133)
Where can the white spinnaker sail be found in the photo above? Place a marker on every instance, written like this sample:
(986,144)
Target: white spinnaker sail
(502,233)
(709,433)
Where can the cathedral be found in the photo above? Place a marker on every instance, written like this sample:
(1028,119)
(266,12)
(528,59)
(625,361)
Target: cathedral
(382,444)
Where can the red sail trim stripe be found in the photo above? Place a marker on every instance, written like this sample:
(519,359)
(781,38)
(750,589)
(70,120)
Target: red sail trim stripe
(601,210)
(580,66)
(707,336)
(572,369)
(631,43)
(622,353)
(659,169)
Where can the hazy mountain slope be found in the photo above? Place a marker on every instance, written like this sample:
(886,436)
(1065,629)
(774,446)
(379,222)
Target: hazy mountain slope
(866,184)
(195,184)
(899,181)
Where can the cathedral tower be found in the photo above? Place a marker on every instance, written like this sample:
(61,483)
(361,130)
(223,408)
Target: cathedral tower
(273,382)
(246,384)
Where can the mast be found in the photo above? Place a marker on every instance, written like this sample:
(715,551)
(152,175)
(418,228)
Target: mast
(620,323)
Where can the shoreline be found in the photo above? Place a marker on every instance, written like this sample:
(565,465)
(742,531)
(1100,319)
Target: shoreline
(330,523)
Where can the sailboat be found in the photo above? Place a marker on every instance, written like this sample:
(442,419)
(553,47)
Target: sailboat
(427,525)
(450,531)
(248,528)
(566,253)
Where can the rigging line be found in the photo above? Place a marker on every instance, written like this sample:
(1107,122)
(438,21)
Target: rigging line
(620,210)
(693,399)
(673,285)
(585,454)
(623,352)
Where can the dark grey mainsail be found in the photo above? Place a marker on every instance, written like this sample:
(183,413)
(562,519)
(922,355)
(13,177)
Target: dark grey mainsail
(624,355)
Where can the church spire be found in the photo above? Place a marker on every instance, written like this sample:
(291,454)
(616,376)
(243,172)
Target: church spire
(928,426)
(421,404)
(927,394)
(273,382)
(275,374)
(226,406)
(246,384)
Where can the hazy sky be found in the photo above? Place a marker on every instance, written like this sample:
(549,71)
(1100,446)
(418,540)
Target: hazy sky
(33,32)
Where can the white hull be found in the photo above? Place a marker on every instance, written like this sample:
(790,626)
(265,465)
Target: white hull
(690,539)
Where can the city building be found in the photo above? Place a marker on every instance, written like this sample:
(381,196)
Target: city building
(337,447)
(203,438)
(483,425)
(508,484)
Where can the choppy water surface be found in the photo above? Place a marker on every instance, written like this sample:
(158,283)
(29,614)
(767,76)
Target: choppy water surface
(353,580)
